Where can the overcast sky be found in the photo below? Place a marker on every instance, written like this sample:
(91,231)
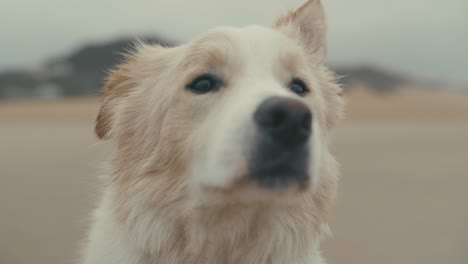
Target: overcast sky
(426,38)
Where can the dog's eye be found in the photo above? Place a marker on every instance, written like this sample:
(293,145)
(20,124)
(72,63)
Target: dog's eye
(204,84)
(299,87)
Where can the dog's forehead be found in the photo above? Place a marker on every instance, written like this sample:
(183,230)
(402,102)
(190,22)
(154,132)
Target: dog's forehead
(253,34)
(259,39)
(253,44)
(256,34)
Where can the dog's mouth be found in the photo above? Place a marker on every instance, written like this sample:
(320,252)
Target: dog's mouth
(273,166)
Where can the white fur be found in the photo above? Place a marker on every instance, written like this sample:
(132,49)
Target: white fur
(196,213)
(263,78)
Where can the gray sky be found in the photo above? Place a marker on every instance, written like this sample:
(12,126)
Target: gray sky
(426,38)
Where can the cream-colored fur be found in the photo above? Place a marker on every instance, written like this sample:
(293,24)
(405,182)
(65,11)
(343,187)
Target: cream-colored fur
(175,191)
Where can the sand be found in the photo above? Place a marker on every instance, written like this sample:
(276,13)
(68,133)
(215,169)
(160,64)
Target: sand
(402,199)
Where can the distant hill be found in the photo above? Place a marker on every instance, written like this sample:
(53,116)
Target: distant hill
(82,73)
(371,77)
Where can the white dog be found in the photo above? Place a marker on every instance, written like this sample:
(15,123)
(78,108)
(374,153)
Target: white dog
(221,149)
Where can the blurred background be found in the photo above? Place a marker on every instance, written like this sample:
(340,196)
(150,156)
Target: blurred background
(403,146)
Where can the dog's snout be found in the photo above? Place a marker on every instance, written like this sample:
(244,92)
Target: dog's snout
(286,120)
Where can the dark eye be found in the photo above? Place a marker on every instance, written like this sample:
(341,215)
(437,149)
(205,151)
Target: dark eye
(299,87)
(204,84)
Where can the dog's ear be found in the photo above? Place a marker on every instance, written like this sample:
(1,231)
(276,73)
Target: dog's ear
(142,61)
(117,86)
(307,25)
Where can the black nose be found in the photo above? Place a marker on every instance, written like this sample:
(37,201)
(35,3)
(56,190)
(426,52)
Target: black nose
(286,120)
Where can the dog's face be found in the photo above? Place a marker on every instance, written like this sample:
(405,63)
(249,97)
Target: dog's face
(258,105)
(238,112)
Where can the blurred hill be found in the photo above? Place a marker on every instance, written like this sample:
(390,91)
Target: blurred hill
(82,73)
(79,74)
(374,78)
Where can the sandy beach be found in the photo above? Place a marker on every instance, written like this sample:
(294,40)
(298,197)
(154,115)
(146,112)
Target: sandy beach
(402,197)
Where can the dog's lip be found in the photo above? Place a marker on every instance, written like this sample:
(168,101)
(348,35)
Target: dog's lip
(273,167)
(280,176)
(281,169)
(279,160)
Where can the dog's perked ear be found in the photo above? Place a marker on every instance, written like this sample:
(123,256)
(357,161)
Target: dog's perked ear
(307,25)
(117,86)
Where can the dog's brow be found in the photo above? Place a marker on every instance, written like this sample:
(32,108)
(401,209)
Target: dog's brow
(209,51)
(291,61)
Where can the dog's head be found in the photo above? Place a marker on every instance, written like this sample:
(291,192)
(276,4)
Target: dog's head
(242,113)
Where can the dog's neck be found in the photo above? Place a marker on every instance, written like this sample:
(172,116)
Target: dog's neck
(245,236)
(228,234)
(256,234)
